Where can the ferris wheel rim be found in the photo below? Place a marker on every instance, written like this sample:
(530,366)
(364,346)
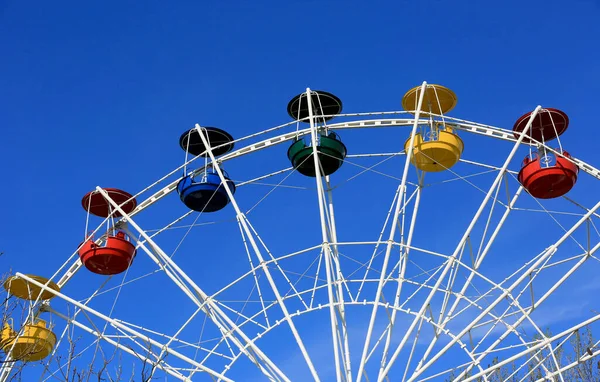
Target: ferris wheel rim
(470,127)
(461,125)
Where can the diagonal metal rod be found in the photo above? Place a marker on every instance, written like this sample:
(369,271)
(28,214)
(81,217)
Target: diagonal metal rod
(547,341)
(244,222)
(545,255)
(402,190)
(536,304)
(158,364)
(403,265)
(444,320)
(204,300)
(460,244)
(121,326)
(476,266)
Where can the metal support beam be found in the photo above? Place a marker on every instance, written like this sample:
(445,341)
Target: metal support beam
(545,255)
(402,190)
(217,316)
(159,365)
(461,243)
(245,225)
(334,290)
(125,328)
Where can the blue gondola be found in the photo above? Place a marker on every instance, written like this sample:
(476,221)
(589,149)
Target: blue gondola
(207,194)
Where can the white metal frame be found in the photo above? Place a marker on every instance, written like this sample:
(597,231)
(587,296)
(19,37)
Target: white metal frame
(242,344)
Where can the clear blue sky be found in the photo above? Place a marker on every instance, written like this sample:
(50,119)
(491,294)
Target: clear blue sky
(98,93)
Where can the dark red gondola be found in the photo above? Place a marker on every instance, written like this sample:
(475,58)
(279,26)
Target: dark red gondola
(95,203)
(544,180)
(112,258)
(547,125)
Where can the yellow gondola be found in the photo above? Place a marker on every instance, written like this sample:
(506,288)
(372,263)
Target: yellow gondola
(22,288)
(437,100)
(35,343)
(438,154)
(436,147)
(6,336)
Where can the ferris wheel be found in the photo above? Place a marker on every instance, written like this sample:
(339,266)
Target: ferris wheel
(388,246)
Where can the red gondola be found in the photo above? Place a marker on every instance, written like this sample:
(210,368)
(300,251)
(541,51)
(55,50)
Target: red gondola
(546,181)
(117,252)
(544,174)
(112,258)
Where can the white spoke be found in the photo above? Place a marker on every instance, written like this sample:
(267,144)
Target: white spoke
(461,243)
(121,326)
(245,225)
(205,303)
(338,330)
(546,254)
(402,190)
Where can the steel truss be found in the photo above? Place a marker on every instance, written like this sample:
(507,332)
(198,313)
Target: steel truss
(400,225)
